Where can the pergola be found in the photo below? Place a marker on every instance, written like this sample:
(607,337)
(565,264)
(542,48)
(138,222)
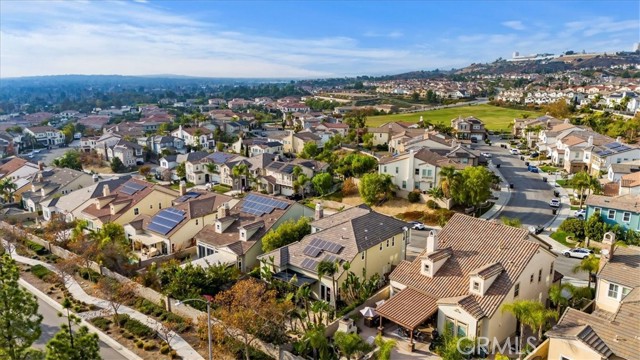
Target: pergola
(409,308)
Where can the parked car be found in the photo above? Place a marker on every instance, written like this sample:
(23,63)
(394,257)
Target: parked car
(580,214)
(514,151)
(554,203)
(533,169)
(536,229)
(534,155)
(474,140)
(579,253)
(419,227)
(487,155)
(295,197)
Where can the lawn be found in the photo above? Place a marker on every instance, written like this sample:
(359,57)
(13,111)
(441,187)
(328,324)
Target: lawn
(561,237)
(548,169)
(495,118)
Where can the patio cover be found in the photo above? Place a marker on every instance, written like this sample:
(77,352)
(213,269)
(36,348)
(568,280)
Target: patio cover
(409,308)
(147,240)
(301,279)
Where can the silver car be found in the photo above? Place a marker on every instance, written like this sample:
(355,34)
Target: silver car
(579,253)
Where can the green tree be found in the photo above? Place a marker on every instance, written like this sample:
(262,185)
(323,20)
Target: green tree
(240,171)
(415,96)
(315,339)
(7,189)
(330,269)
(557,297)
(376,188)
(19,318)
(309,150)
(367,141)
(595,227)
(522,310)
(68,131)
(540,318)
(473,187)
(559,109)
(350,344)
(451,345)
(448,177)
(288,232)
(581,182)
(67,345)
(181,171)
(322,183)
(117,165)
(589,265)
(70,160)
(385,347)
(573,226)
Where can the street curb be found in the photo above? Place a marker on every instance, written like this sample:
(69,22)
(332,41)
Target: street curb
(102,336)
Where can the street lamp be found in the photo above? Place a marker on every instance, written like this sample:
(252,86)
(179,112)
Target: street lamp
(208,299)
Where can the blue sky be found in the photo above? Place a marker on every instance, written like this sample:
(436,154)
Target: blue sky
(297,39)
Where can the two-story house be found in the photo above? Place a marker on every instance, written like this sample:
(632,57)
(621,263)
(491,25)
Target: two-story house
(468,270)
(371,242)
(278,176)
(173,229)
(195,164)
(157,144)
(49,183)
(17,168)
(469,128)
(235,237)
(294,142)
(130,154)
(622,210)
(196,137)
(45,135)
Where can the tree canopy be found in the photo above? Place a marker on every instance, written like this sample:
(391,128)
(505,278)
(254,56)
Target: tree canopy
(322,183)
(473,186)
(70,160)
(288,232)
(376,188)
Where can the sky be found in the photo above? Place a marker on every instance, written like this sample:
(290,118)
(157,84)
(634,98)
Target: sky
(297,39)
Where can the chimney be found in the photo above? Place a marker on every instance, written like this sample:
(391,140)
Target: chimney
(606,254)
(40,165)
(590,141)
(182,188)
(566,121)
(223,211)
(95,178)
(619,139)
(432,242)
(319,214)
(105,190)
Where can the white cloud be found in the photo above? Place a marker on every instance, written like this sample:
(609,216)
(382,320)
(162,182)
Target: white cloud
(391,34)
(514,24)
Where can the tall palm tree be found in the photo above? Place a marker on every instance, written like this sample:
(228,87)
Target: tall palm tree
(556,296)
(385,347)
(589,264)
(580,182)
(315,339)
(329,268)
(303,295)
(594,185)
(7,188)
(447,177)
(522,310)
(540,318)
(238,172)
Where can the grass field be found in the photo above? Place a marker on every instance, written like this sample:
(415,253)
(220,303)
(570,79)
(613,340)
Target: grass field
(495,118)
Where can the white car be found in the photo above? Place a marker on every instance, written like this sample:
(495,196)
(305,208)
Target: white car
(514,151)
(419,227)
(554,203)
(580,214)
(579,253)
(487,155)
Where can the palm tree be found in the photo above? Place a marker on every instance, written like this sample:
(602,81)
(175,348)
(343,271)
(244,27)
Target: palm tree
(540,317)
(589,264)
(447,178)
(303,295)
(594,186)
(580,181)
(314,338)
(330,269)
(522,310)
(350,344)
(556,296)
(239,171)
(385,347)
(7,188)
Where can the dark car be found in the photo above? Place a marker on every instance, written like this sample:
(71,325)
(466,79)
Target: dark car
(534,155)
(295,197)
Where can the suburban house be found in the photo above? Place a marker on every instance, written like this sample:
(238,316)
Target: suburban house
(196,136)
(235,237)
(530,129)
(125,202)
(469,128)
(268,147)
(630,184)
(278,176)
(49,183)
(617,170)
(371,242)
(159,143)
(415,169)
(294,142)
(17,168)
(106,142)
(612,152)
(71,204)
(173,229)
(468,270)
(547,137)
(195,167)
(383,133)
(623,210)
(611,330)
(130,154)
(218,159)
(45,135)
(338,128)
(428,139)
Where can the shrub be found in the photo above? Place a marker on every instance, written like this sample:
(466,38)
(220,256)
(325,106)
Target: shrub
(165,349)
(414,197)
(148,346)
(128,335)
(139,344)
(89,274)
(174,354)
(574,226)
(349,187)
(432,204)
(102,323)
(138,329)
(37,248)
(40,271)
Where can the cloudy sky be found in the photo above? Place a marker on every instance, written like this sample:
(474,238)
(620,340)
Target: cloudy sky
(296,38)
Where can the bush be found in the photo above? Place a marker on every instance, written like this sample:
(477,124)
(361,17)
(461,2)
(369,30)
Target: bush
(138,329)
(89,274)
(165,349)
(102,323)
(139,344)
(40,271)
(573,226)
(127,335)
(438,217)
(37,248)
(349,187)
(414,197)
(432,204)
(148,346)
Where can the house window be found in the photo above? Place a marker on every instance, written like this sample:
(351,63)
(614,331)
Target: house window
(613,291)
(612,214)
(626,217)
(385,168)
(462,329)
(417,172)
(380,246)
(159,205)
(151,206)
(362,256)
(387,242)
(449,325)
(404,184)
(424,172)
(396,169)
(325,293)
(136,211)
(196,221)
(539,275)
(625,291)
(476,286)
(429,172)
(531,278)
(393,241)
(516,290)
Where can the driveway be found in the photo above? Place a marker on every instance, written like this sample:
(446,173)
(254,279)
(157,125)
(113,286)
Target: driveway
(530,196)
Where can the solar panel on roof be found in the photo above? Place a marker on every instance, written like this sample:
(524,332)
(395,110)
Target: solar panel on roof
(165,220)
(258,205)
(309,264)
(312,251)
(131,188)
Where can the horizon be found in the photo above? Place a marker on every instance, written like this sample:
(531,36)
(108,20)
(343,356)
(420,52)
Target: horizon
(296,40)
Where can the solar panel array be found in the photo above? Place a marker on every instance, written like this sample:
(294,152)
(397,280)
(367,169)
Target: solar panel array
(186,197)
(165,220)
(309,264)
(131,188)
(260,205)
(612,148)
(316,246)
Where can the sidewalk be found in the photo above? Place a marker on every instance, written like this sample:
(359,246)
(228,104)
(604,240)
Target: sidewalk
(503,196)
(183,349)
(563,213)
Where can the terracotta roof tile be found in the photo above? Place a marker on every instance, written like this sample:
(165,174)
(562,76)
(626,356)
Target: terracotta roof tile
(408,308)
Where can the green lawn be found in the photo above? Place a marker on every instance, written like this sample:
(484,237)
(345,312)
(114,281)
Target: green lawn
(495,118)
(561,237)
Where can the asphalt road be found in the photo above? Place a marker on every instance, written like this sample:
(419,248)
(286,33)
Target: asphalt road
(530,196)
(51,325)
